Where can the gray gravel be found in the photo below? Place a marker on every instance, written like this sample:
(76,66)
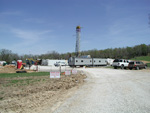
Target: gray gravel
(111,91)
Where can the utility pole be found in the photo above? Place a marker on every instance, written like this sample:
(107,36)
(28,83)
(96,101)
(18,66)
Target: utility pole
(149,19)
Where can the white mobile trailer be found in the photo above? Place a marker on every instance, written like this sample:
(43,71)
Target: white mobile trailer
(83,61)
(49,62)
(99,62)
(75,61)
(44,62)
(78,61)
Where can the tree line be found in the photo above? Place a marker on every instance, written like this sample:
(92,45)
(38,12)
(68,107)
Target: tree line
(125,53)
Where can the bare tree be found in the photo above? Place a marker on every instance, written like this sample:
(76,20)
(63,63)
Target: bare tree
(5,55)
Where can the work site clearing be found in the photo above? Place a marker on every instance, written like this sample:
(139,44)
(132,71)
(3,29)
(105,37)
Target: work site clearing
(32,92)
(91,90)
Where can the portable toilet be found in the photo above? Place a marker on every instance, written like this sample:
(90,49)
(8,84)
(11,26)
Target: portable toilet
(19,64)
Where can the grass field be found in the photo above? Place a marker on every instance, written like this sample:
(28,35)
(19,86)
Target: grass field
(144,58)
(148,64)
(21,79)
(6,75)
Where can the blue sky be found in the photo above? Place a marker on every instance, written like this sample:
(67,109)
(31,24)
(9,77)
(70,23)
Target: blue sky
(39,26)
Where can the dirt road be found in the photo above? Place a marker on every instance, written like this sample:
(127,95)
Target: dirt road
(111,91)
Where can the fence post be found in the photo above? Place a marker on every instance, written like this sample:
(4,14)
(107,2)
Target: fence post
(60,69)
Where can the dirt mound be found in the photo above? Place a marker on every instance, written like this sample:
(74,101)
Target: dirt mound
(145,62)
(12,69)
(7,69)
(10,66)
(26,94)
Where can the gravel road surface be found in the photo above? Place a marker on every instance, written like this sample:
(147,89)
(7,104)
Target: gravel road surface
(111,91)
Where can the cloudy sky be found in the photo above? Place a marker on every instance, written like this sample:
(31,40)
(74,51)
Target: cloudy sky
(39,26)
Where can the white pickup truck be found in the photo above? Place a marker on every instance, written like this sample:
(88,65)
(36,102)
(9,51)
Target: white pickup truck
(121,63)
(60,64)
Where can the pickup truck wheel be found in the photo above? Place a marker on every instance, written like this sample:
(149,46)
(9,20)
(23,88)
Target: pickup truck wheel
(137,68)
(130,68)
(122,66)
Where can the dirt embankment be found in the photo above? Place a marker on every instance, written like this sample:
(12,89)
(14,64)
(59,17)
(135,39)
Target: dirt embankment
(145,62)
(12,69)
(33,94)
(8,69)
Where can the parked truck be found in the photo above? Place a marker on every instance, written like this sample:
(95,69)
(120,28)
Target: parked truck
(137,65)
(120,63)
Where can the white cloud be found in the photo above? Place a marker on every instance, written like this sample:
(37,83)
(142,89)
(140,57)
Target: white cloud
(29,35)
(25,40)
(25,34)
(28,38)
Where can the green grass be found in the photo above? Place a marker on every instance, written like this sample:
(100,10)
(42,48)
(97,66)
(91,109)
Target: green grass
(24,81)
(148,64)
(21,82)
(6,75)
(109,67)
(144,58)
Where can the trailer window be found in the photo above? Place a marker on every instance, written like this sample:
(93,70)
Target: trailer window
(90,61)
(99,61)
(81,60)
(76,60)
